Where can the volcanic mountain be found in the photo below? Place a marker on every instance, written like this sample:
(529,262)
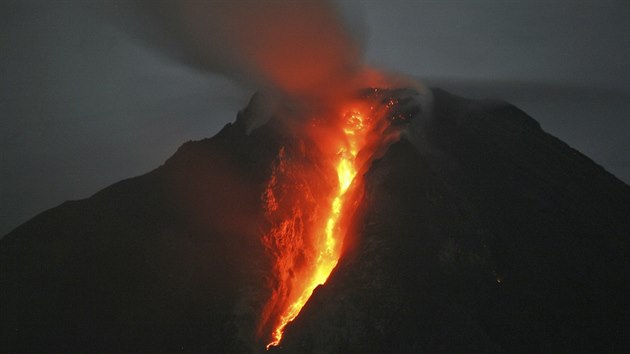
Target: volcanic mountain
(474,231)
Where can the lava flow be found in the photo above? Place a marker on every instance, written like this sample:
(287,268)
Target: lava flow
(326,236)
(308,212)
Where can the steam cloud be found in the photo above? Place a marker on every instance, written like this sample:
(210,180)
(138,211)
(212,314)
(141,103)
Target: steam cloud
(301,49)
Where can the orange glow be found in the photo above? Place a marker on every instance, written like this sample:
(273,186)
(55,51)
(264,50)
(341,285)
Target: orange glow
(329,236)
(310,198)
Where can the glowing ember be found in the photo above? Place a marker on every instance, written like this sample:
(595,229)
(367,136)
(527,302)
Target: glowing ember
(331,233)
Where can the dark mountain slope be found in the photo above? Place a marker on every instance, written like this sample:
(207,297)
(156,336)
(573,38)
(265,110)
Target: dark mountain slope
(484,235)
(492,237)
(156,263)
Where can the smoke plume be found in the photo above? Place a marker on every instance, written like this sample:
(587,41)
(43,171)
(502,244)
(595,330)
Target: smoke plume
(301,49)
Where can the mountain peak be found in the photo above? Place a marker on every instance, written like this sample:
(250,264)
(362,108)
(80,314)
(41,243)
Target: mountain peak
(476,232)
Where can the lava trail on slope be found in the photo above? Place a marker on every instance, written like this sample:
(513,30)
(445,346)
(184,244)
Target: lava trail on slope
(307,227)
(473,231)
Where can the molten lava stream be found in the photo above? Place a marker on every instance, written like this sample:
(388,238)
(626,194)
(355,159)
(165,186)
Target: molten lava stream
(354,131)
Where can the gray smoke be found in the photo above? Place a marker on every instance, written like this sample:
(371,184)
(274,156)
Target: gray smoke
(303,49)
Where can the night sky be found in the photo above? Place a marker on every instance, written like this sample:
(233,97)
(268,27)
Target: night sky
(85,104)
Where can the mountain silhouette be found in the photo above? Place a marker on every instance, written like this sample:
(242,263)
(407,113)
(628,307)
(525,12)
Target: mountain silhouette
(477,233)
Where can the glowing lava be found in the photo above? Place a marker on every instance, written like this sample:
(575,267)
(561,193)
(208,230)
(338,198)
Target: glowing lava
(330,235)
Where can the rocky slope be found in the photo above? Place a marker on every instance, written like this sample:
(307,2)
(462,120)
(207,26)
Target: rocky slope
(478,232)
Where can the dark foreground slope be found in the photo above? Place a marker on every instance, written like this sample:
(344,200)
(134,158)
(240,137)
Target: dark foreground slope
(159,263)
(493,236)
(485,235)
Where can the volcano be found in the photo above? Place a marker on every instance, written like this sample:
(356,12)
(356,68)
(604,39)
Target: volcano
(471,230)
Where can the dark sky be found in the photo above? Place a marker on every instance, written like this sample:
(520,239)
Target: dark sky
(84,105)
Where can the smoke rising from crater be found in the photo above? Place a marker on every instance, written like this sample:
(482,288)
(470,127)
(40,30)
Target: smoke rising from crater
(301,49)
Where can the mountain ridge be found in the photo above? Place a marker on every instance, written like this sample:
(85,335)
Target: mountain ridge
(479,233)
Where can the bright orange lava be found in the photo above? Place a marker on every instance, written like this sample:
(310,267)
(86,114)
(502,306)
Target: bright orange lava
(355,130)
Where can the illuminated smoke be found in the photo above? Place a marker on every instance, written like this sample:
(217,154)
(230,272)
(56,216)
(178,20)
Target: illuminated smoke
(301,49)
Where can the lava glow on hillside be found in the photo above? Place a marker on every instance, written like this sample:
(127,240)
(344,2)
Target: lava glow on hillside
(305,240)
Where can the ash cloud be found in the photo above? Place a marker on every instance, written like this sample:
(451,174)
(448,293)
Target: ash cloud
(302,49)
